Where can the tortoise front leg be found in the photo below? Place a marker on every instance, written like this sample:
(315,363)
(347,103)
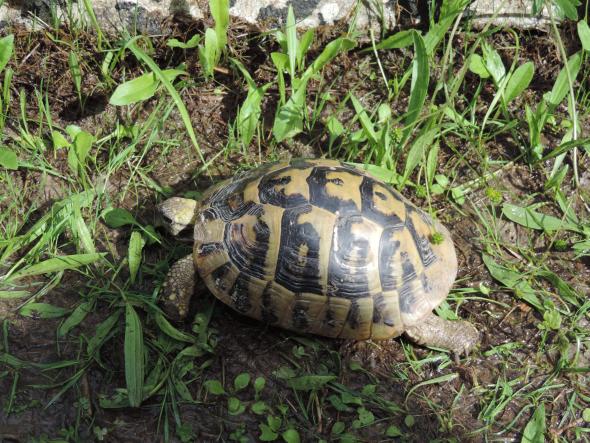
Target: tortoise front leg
(457,336)
(179,287)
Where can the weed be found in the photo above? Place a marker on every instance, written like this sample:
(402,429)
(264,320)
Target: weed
(215,39)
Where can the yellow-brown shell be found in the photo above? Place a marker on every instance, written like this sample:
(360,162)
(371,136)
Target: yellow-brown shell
(321,247)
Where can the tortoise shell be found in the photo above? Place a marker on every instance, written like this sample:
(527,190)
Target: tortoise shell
(322,247)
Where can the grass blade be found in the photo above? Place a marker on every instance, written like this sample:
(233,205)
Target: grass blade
(310,382)
(519,81)
(171,90)
(401,39)
(291,34)
(81,231)
(364,119)
(136,244)
(303,46)
(103,331)
(536,220)
(94,21)
(561,86)
(249,113)
(76,317)
(419,85)
(8,159)
(167,328)
(289,119)
(442,379)
(513,280)
(209,53)
(57,264)
(6,48)
(448,14)
(534,431)
(220,13)
(117,217)
(141,88)
(134,364)
(42,310)
(379,172)
(332,49)
(583,33)
(193,42)
(14,294)
(417,151)
(493,63)
(76,72)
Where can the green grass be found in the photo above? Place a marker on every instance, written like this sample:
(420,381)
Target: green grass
(469,124)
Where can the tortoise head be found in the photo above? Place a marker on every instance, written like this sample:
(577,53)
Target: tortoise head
(178,213)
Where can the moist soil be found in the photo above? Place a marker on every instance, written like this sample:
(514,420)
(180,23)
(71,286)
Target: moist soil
(448,410)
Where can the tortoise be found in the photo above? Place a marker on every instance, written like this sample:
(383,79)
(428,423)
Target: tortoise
(322,247)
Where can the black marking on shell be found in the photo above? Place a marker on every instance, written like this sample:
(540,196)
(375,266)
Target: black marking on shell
(267,309)
(408,270)
(299,316)
(271,190)
(318,194)
(370,211)
(353,315)
(427,256)
(387,250)
(248,256)
(407,298)
(208,248)
(389,322)
(329,319)
(219,277)
(301,163)
(209,214)
(380,315)
(296,272)
(240,294)
(378,306)
(228,201)
(425,283)
(347,268)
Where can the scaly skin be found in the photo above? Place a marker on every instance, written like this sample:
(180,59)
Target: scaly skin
(457,336)
(179,287)
(178,213)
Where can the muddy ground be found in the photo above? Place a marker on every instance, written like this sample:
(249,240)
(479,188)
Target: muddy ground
(382,375)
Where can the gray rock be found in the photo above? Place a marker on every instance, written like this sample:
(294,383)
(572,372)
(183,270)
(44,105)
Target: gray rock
(147,15)
(312,13)
(509,13)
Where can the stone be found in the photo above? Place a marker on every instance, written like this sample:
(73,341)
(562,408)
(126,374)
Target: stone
(147,16)
(509,13)
(313,13)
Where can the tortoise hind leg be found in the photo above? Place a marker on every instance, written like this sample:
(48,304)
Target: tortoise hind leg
(179,287)
(457,336)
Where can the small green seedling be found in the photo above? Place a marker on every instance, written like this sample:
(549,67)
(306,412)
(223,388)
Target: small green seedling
(215,39)
(290,115)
